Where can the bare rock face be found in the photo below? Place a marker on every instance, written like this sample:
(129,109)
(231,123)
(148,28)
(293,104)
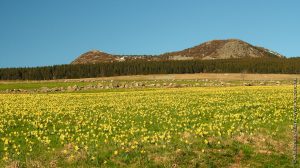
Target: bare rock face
(236,49)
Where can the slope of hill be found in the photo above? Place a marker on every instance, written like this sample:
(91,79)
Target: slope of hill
(222,49)
(216,49)
(94,56)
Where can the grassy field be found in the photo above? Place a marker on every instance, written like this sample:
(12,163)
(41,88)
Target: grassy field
(37,85)
(210,76)
(169,127)
(235,79)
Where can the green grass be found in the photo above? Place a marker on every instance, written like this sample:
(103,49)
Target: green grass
(31,85)
(149,128)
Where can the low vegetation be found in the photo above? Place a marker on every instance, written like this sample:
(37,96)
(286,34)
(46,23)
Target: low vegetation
(145,81)
(174,127)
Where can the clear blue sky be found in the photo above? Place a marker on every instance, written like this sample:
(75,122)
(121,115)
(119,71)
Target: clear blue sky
(48,32)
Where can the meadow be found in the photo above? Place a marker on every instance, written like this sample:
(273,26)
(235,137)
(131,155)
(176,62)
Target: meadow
(235,79)
(170,127)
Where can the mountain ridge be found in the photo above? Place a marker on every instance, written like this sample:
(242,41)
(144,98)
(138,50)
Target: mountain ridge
(210,50)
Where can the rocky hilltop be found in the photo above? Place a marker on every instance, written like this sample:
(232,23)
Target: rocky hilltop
(215,49)
(94,56)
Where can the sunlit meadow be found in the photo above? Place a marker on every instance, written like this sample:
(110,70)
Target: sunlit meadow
(175,127)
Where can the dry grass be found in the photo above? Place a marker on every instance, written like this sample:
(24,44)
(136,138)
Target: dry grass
(13,164)
(237,160)
(209,76)
(69,154)
(264,144)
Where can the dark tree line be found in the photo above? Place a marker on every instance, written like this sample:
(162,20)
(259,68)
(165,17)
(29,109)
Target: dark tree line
(250,65)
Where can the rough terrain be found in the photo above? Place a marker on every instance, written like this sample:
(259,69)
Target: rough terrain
(215,49)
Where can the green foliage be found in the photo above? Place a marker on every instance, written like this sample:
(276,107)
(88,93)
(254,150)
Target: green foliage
(138,67)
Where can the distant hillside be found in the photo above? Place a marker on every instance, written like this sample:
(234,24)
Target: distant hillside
(94,56)
(222,49)
(216,49)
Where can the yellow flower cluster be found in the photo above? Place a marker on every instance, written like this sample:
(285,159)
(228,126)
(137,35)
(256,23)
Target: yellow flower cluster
(120,122)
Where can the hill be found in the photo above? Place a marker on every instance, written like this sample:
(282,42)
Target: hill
(94,56)
(215,49)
